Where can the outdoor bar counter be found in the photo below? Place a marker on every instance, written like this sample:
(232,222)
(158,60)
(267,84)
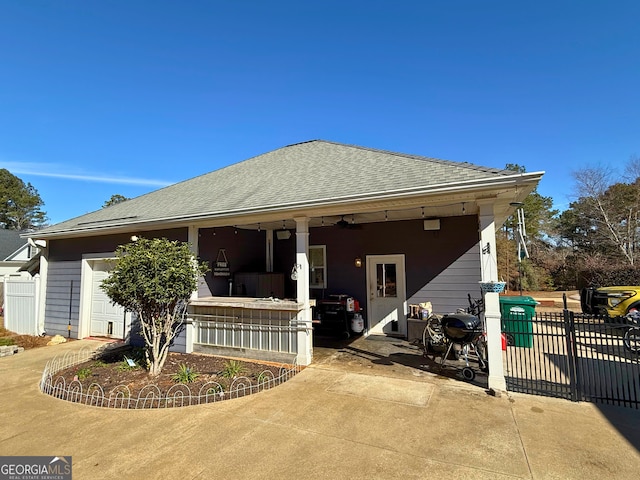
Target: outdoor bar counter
(261,328)
(249,303)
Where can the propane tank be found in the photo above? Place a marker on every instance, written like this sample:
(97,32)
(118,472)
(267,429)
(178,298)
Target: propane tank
(357,323)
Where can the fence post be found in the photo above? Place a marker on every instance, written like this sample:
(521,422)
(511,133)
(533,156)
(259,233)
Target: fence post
(570,339)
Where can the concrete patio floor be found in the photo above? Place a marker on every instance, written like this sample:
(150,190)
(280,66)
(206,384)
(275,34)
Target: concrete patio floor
(360,411)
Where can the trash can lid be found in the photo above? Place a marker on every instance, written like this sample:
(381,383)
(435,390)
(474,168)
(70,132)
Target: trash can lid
(518,300)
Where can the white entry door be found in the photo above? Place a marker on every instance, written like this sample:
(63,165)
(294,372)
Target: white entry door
(107,320)
(387,302)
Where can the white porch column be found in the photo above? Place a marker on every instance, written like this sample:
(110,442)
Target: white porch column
(305,343)
(269,247)
(42,297)
(489,271)
(189,330)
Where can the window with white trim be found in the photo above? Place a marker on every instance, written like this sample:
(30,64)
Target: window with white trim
(317,266)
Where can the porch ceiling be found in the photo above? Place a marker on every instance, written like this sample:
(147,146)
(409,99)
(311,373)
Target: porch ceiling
(397,210)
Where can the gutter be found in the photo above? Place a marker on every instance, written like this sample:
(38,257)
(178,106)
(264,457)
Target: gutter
(100,226)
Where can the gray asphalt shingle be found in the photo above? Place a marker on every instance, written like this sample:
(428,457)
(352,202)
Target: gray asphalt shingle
(10,241)
(299,174)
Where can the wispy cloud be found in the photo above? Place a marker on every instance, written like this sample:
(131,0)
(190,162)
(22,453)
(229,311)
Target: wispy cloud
(57,171)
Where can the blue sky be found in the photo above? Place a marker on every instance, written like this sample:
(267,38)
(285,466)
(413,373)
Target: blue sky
(122,97)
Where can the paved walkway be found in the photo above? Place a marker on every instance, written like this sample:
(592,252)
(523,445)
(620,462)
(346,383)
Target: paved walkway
(358,412)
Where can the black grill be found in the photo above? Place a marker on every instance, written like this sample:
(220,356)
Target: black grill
(461,327)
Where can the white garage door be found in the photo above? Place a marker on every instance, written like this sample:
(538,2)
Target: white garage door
(107,320)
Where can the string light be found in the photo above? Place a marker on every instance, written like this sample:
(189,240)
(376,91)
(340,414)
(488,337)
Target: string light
(353,217)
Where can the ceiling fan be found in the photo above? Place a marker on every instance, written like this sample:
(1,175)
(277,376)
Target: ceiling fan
(342,223)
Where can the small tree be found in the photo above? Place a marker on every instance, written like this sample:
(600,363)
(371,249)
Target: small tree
(154,278)
(114,200)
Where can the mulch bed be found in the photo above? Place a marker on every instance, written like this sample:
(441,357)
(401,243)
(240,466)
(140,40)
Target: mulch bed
(24,341)
(110,371)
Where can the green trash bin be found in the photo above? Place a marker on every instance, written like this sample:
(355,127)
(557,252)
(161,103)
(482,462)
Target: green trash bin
(516,315)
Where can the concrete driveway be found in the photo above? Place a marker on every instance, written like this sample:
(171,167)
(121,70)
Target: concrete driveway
(349,415)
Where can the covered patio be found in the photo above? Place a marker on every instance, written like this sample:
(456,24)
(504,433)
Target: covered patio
(290,228)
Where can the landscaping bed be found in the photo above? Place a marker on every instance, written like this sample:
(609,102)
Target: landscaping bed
(123,367)
(8,338)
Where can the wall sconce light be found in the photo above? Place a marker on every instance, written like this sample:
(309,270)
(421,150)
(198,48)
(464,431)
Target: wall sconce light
(358,262)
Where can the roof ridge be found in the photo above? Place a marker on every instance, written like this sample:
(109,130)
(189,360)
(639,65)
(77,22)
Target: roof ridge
(467,165)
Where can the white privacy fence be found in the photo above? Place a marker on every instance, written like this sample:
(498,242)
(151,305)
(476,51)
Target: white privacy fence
(21,304)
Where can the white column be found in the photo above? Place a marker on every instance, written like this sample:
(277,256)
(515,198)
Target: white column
(42,298)
(497,381)
(189,330)
(269,247)
(489,271)
(305,343)
(488,264)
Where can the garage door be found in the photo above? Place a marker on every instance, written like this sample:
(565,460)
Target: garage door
(107,320)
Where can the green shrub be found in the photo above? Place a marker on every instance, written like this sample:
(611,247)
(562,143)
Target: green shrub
(155,279)
(185,374)
(83,373)
(233,368)
(5,341)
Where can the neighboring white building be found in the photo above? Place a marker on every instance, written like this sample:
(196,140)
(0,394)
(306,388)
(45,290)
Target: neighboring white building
(15,251)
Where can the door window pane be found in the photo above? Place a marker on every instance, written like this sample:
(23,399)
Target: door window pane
(386,280)
(317,266)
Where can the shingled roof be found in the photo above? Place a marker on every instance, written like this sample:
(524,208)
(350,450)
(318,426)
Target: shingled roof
(299,175)
(10,241)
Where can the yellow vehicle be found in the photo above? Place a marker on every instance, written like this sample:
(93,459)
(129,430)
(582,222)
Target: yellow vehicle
(613,301)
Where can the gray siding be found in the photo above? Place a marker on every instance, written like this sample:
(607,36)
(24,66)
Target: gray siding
(180,342)
(448,290)
(61,274)
(137,340)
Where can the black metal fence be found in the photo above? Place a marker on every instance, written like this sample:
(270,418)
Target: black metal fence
(574,356)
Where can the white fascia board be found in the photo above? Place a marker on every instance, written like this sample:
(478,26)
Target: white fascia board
(182,221)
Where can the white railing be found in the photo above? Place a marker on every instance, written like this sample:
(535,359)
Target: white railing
(268,335)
